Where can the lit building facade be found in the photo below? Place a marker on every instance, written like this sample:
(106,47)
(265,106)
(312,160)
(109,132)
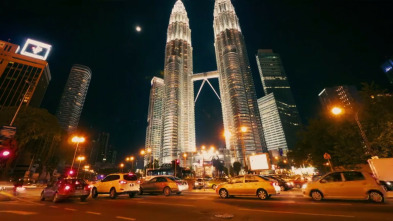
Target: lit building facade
(21,76)
(387,68)
(275,80)
(73,98)
(276,141)
(154,117)
(238,96)
(345,96)
(178,119)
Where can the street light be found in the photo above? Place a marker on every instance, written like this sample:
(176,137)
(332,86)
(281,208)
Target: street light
(338,111)
(122,166)
(80,159)
(143,153)
(76,140)
(185,159)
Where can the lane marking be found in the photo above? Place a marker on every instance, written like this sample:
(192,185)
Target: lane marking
(167,204)
(297,213)
(19,212)
(94,213)
(70,209)
(28,201)
(125,218)
(54,206)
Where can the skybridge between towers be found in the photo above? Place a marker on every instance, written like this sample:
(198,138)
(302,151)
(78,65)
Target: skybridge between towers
(204,77)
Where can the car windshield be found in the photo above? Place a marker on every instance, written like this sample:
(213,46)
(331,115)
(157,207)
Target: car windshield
(267,178)
(174,178)
(130,177)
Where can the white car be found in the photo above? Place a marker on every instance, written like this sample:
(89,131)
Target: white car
(116,184)
(345,185)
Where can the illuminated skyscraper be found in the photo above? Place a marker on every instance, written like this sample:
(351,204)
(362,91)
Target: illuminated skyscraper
(154,117)
(73,98)
(274,80)
(238,96)
(178,123)
(345,96)
(24,75)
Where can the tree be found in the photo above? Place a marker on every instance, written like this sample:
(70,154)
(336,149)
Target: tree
(38,133)
(237,166)
(341,138)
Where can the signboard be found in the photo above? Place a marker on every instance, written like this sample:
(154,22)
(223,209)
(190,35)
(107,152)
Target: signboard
(260,162)
(36,49)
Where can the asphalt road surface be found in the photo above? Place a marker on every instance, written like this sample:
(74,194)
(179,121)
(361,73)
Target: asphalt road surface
(193,206)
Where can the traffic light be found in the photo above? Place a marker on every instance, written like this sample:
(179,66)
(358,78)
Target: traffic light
(177,161)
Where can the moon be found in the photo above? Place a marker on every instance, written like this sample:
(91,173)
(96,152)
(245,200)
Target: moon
(138,28)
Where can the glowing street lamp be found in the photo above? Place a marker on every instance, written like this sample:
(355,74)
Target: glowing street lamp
(121,166)
(76,140)
(80,159)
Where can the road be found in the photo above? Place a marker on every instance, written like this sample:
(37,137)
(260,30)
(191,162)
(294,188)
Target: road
(192,206)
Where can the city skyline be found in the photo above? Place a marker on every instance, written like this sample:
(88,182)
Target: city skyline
(71,44)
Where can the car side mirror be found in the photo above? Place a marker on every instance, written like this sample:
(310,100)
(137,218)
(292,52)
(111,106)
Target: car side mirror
(323,181)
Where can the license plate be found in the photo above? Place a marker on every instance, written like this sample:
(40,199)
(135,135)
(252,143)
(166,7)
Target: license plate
(79,192)
(78,187)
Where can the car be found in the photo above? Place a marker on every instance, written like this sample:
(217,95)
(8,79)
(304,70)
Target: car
(284,185)
(199,183)
(214,182)
(66,188)
(116,184)
(299,182)
(181,184)
(161,184)
(252,185)
(345,185)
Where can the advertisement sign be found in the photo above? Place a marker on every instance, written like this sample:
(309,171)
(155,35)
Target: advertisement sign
(36,49)
(260,162)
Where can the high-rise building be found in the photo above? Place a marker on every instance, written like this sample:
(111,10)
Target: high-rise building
(344,96)
(23,77)
(178,119)
(73,98)
(275,80)
(387,68)
(154,117)
(238,96)
(276,139)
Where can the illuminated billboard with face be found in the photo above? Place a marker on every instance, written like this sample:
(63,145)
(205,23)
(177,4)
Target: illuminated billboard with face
(36,49)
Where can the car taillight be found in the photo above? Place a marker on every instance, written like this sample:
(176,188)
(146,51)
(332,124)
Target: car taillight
(122,182)
(87,187)
(273,183)
(67,187)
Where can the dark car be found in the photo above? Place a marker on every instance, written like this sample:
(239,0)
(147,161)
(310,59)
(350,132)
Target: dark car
(161,184)
(284,185)
(66,188)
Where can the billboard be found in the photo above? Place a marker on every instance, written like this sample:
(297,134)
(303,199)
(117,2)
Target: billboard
(260,162)
(36,49)
(387,66)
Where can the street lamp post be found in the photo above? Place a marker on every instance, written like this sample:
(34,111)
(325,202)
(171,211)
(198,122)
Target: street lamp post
(121,166)
(80,159)
(185,159)
(20,105)
(338,111)
(242,131)
(143,153)
(76,140)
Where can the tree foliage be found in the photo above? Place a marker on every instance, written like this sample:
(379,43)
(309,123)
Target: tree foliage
(340,135)
(38,133)
(237,166)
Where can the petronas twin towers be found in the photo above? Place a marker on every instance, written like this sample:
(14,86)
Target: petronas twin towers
(175,132)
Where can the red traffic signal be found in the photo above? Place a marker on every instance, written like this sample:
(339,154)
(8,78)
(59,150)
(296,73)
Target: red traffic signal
(177,161)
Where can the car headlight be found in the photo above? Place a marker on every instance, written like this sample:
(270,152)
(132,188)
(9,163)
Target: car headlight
(388,183)
(304,186)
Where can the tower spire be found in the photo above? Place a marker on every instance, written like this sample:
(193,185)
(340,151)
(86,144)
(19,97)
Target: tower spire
(179,24)
(225,16)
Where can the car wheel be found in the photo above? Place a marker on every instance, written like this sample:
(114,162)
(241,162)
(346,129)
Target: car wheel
(316,195)
(131,195)
(214,186)
(282,188)
(178,193)
(112,193)
(223,193)
(167,191)
(56,198)
(94,193)
(375,196)
(83,198)
(42,198)
(262,194)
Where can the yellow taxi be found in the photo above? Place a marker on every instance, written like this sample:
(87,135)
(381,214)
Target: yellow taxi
(251,185)
(345,185)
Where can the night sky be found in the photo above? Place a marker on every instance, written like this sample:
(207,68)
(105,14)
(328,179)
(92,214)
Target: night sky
(322,44)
